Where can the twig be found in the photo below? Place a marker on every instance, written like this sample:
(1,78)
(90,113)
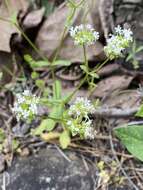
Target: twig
(62,153)
(115,112)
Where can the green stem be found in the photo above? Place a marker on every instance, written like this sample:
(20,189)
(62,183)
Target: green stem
(85,57)
(83,80)
(31,43)
(7,5)
(100,66)
(77,88)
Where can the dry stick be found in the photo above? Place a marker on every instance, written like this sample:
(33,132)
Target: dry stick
(115,112)
(117,160)
(96,152)
(138,177)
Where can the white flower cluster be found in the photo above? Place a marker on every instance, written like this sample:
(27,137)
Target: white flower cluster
(25,106)
(117,43)
(81,107)
(79,122)
(84,34)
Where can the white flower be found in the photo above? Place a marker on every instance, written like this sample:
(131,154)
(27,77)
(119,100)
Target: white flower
(74,127)
(89,133)
(84,34)
(26,93)
(25,106)
(81,107)
(118,30)
(82,128)
(128,34)
(117,43)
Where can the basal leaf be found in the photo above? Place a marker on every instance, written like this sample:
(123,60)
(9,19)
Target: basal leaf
(46,125)
(49,124)
(132,137)
(65,139)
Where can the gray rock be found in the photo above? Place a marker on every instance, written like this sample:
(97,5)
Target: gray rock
(49,170)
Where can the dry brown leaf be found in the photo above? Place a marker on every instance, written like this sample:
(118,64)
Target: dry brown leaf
(114,83)
(6,28)
(124,100)
(109,69)
(49,36)
(33,19)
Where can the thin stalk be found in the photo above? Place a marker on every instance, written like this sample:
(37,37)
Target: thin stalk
(83,80)
(59,47)
(74,4)
(36,49)
(31,43)
(85,57)
(77,88)
(7,6)
(100,66)
(57,53)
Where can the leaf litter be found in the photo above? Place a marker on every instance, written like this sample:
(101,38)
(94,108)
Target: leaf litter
(115,91)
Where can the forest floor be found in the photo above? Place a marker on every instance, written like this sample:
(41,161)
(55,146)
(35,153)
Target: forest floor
(102,163)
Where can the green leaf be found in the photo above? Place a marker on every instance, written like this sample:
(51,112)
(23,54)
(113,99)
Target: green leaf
(94,75)
(35,64)
(132,137)
(40,83)
(46,92)
(139,49)
(140,111)
(62,63)
(46,125)
(57,90)
(84,68)
(39,64)
(49,124)
(65,139)
(34,75)
(129,57)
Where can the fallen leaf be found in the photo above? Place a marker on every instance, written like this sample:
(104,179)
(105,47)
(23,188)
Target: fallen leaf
(124,100)
(114,83)
(6,28)
(108,69)
(33,19)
